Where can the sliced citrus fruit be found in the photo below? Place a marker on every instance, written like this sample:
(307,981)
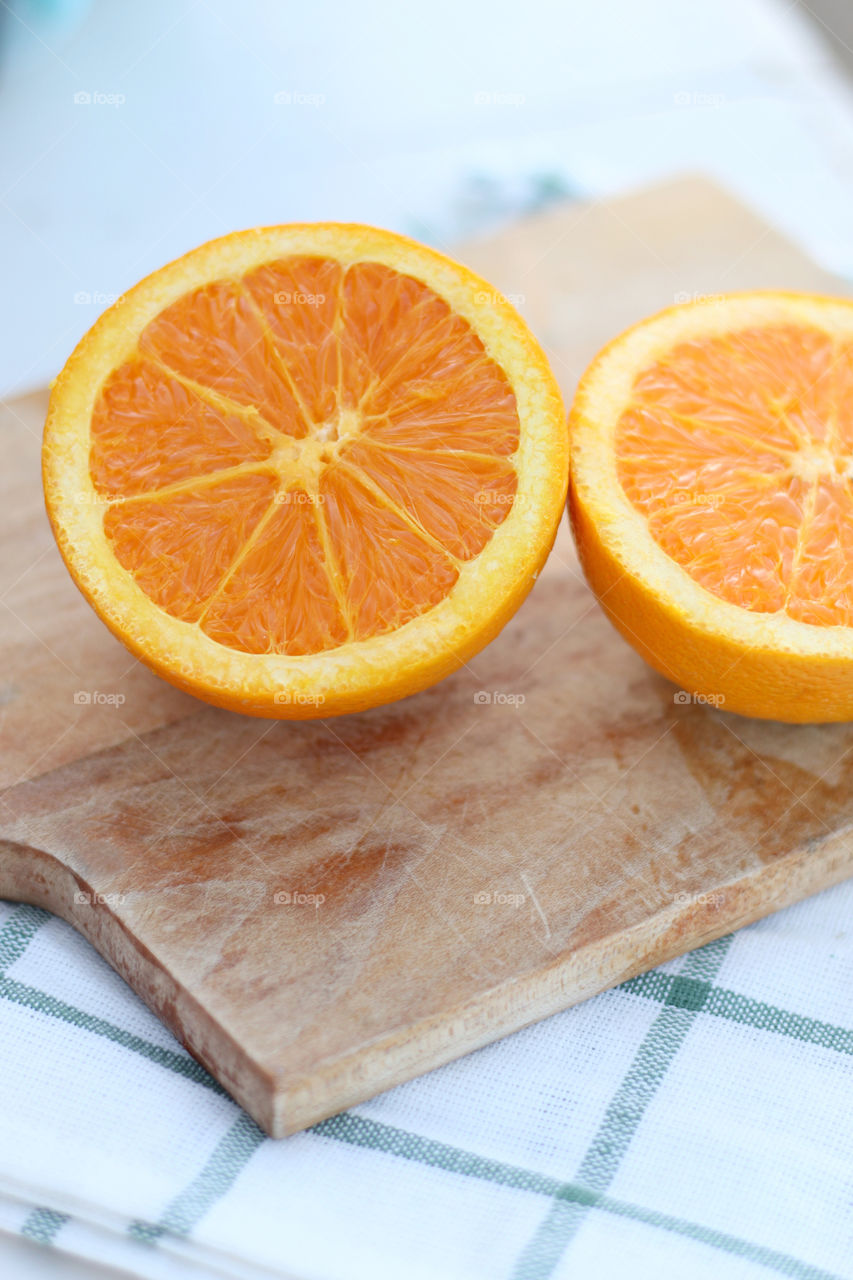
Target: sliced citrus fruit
(307,469)
(712,499)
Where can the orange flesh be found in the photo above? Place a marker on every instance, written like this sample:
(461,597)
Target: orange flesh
(304,456)
(738,450)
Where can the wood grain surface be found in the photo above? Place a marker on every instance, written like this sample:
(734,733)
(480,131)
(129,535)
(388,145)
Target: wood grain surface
(322,910)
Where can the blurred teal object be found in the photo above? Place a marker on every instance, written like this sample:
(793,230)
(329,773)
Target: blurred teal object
(29,23)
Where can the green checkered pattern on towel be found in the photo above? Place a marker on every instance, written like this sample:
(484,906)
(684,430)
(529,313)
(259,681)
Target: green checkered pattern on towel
(684,1124)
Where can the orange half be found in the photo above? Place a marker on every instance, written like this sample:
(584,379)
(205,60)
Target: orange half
(712,499)
(307,469)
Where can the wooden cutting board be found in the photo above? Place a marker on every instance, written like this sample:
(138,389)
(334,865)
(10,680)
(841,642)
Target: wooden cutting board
(322,910)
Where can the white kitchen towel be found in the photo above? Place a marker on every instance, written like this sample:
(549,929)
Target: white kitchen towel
(694,1122)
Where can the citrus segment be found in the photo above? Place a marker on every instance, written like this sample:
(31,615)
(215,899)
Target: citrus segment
(149,431)
(492,430)
(821,587)
(399,340)
(458,499)
(246,611)
(299,300)
(299,444)
(180,547)
(765,381)
(392,573)
(215,337)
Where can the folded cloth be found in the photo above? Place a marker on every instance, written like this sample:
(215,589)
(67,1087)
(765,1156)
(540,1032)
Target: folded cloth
(694,1122)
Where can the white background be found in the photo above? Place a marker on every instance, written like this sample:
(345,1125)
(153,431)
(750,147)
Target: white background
(434,119)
